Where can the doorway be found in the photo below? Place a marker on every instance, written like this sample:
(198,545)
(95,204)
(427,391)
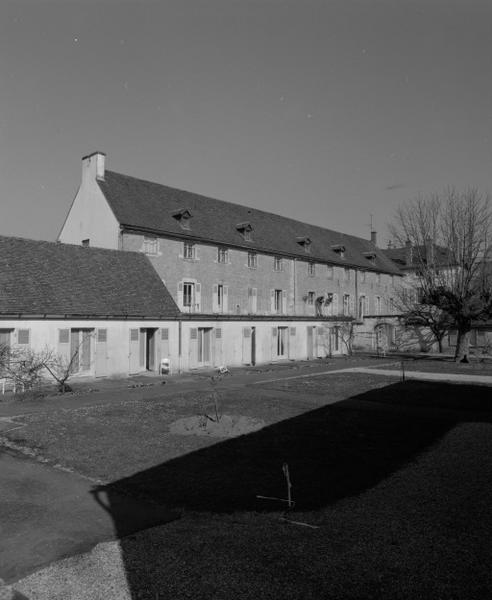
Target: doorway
(81,350)
(204,346)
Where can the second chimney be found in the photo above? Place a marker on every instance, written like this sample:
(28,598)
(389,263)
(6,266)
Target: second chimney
(374,238)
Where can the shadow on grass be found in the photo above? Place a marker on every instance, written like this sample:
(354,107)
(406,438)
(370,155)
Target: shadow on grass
(333,452)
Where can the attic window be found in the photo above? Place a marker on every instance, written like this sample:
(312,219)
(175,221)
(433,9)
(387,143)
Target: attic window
(305,242)
(370,256)
(339,249)
(245,230)
(183,217)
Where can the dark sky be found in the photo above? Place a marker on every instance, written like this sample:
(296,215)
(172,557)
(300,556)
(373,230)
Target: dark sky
(322,110)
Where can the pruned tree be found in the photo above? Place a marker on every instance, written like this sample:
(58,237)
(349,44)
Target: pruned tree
(449,236)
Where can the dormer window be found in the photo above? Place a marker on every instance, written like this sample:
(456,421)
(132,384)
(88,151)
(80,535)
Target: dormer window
(305,242)
(339,249)
(245,230)
(183,217)
(371,256)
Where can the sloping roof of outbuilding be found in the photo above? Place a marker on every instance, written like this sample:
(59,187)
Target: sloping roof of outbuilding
(49,278)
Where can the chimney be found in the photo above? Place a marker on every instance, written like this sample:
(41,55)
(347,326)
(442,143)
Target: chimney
(408,253)
(374,238)
(93,165)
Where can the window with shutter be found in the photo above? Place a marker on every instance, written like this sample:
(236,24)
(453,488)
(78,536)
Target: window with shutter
(102,336)
(63,336)
(193,333)
(134,335)
(164,334)
(218,333)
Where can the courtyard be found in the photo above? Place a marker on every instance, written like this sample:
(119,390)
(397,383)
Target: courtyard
(391,485)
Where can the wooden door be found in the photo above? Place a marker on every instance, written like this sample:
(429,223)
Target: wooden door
(310,342)
(101,352)
(134,354)
(246,345)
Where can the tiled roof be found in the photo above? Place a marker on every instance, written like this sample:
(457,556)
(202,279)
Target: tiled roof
(399,255)
(61,279)
(148,206)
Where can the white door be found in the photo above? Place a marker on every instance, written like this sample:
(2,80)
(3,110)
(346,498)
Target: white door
(134,351)
(101,352)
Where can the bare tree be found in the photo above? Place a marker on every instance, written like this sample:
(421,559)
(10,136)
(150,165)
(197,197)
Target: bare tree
(413,313)
(449,235)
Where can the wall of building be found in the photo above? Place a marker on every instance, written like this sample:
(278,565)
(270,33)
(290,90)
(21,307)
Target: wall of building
(295,279)
(109,348)
(90,216)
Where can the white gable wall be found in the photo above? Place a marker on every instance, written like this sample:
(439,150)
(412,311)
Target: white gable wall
(90,216)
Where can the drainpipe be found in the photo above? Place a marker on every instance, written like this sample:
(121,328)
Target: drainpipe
(179,346)
(356,303)
(294,284)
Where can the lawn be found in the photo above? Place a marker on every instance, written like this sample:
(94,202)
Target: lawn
(399,499)
(443,365)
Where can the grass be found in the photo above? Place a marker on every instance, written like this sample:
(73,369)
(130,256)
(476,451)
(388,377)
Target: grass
(397,478)
(444,365)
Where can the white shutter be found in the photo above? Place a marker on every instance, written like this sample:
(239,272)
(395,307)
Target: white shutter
(64,344)
(23,336)
(225,299)
(180,294)
(351,304)
(272,301)
(335,305)
(198,297)
(254,302)
(284,302)
(215,304)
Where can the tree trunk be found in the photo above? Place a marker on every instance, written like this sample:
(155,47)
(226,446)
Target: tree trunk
(439,344)
(462,345)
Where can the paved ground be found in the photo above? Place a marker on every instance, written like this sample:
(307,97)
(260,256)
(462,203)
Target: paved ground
(48,514)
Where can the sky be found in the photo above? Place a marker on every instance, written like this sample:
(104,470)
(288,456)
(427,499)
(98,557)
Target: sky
(326,111)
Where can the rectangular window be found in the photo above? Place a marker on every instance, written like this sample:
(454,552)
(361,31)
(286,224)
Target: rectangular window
(188,294)
(23,336)
(310,298)
(222,255)
(346,305)
(189,250)
(362,306)
(220,297)
(252,260)
(277,264)
(165,334)
(151,245)
(278,301)
(102,336)
(377,305)
(311,269)
(63,336)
